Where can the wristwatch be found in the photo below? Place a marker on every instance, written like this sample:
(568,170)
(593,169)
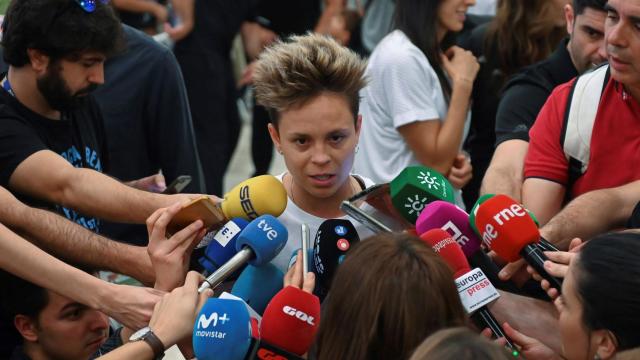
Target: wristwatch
(146,334)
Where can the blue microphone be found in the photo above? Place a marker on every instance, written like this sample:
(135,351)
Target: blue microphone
(222,330)
(257,285)
(223,245)
(257,244)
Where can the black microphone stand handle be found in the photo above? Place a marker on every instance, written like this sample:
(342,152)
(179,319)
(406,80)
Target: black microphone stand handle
(535,258)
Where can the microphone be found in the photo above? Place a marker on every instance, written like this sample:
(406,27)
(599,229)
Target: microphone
(291,320)
(474,210)
(334,239)
(249,199)
(256,285)
(446,216)
(508,230)
(415,187)
(544,244)
(474,289)
(222,330)
(257,244)
(222,245)
(264,351)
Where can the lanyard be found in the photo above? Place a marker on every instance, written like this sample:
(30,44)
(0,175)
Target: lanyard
(7,86)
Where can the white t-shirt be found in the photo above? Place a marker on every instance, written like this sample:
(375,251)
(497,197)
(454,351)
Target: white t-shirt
(483,7)
(403,88)
(293,217)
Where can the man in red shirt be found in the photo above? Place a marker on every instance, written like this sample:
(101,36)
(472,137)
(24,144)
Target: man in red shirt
(615,140)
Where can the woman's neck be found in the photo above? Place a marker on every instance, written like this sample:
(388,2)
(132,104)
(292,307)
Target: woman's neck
(326,208)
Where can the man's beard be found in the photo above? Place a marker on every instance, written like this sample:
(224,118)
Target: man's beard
(55,91)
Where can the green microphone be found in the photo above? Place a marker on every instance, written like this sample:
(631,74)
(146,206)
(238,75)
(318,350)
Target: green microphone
(417,186)
(474,210)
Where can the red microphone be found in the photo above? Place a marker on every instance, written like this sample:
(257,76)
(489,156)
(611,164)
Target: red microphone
(507,229)
(291,320)
(474,289)
(448,249)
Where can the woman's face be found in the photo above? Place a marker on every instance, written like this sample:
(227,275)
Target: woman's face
(318,141)
(575,336)
(452,13)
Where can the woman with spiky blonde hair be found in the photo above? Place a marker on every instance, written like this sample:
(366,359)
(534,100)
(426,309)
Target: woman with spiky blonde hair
(309,85)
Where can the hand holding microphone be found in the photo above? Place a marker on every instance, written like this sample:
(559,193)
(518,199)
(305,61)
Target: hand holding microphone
(557,266)
(250,199)
(455,221)
(474,289)
(170,256)
(257,244)
(507,229)
(174,315)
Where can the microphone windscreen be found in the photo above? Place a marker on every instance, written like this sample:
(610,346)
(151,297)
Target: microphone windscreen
(449,217)
(506,227)
(334,239)
(415,187)
(444,245)
(260,195)
(291,320)
(257,285)
(266,236)
(222,246)
(222,330)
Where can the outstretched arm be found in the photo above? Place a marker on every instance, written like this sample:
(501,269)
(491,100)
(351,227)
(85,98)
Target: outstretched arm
(593,213)
(129,305)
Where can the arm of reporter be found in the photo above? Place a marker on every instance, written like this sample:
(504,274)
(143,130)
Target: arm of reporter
(504,175)
(154,183)
(172,320)
(531,347)
(170,256)
(73,243)
(593,213)
(127,304)
(47,175)
(543,198)
(540,318)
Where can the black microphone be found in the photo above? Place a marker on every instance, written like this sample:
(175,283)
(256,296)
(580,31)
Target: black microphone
(334,239)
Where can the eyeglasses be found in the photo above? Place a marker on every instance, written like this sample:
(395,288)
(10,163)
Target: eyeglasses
(89,5)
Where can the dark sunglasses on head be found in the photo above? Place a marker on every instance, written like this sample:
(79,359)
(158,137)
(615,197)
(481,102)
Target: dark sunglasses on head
(89,5)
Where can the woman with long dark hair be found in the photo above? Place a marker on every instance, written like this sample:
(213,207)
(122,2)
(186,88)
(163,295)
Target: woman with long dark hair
(414,111)
(600,303)
(389,294)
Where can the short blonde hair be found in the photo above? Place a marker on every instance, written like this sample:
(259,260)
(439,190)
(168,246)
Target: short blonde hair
(290,73)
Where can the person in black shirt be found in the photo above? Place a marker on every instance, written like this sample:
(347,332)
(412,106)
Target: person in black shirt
(53,146)
(525,94)
(521,34)
(147,121)
(204,58)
